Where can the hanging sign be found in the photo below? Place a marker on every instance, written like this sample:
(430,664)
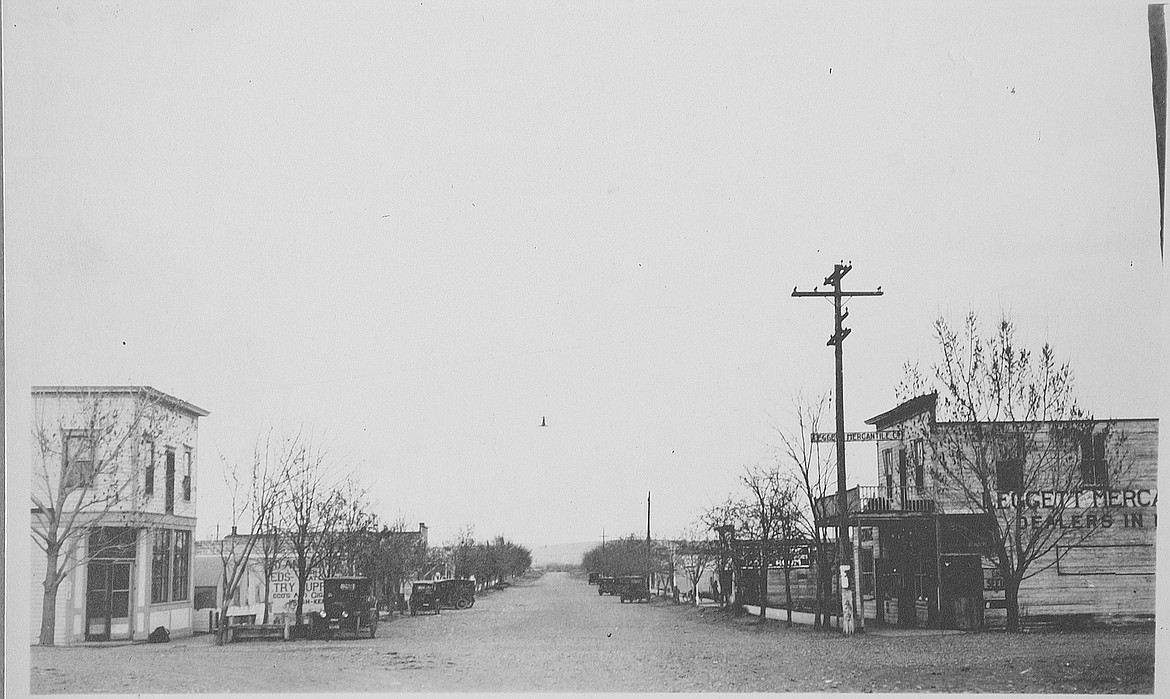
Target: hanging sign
(875,436)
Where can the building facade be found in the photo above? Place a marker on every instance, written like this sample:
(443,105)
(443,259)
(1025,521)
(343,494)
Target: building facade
(271,595)
(1071,503)
(114,487)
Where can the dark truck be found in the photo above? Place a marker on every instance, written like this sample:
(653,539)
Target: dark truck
(607,586)
(633,588)
(423,597)
(455,594)
(349,607)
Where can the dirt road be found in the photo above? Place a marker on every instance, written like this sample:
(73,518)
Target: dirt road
(557,634)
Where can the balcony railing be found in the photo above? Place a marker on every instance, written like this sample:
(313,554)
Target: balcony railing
(878,499)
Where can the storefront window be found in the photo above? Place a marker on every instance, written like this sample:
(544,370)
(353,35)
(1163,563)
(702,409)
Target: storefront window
(181,566)
(112,542)
(170,566)
(160,563)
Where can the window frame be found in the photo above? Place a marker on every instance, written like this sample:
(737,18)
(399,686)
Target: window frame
(160,563)
(903,470)
(170,566)
(1094,468)
(187,477)
(148,486)
(74,476)
(169,482)
(919,458)
(1009,464)
(180,565)
(888,467)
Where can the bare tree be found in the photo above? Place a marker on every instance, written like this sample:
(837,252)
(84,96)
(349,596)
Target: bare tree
(1016,436)
(271,556)
(694,554)
(353,542)
(765,514)
(87,466)
(627,556)
(459,550)
(310,516)
(256,493)
(724,518)
(399,552)
(814,478)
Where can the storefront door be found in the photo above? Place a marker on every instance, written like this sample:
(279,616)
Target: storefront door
(107,604)
(962,589)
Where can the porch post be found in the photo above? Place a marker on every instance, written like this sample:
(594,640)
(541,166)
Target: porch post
(857,576)
(938,621)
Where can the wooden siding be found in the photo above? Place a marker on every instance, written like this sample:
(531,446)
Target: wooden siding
(1097,573)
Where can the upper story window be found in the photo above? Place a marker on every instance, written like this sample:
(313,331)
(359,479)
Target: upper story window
(187,476)
(149,449)
(888,471)
(1009,464)
(1094,467)
(80,466)
(919,463)
(169,484)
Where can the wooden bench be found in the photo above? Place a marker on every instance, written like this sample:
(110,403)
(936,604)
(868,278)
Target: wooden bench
(253,632)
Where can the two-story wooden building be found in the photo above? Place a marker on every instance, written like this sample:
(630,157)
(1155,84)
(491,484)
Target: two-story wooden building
(113,511)
(1077,499)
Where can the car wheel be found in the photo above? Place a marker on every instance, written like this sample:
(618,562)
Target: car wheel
(462,603)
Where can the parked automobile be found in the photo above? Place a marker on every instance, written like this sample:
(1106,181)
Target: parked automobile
(423,597)
(349,608)
(607,586)
(633,588)
(456,594)
(593,578)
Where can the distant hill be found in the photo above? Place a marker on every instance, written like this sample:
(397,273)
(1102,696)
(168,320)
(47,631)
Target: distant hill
(569,554)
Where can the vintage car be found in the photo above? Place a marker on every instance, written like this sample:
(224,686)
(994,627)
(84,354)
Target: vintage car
(456,594)
(593,577)
(349,608)
(633,588)
(423,597)
(607,586)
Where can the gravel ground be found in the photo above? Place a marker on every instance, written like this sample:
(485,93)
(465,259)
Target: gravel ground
(556,634)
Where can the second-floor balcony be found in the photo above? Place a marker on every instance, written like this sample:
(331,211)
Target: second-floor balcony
(878,500)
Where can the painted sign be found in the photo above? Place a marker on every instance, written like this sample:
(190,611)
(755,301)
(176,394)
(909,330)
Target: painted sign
(1094,497)
(1089,509)
(874,436)
(748,553)
(284,590)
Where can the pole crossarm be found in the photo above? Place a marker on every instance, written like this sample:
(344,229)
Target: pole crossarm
(832,294)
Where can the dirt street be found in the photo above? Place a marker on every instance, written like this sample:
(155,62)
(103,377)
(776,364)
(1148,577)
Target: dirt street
(556,634)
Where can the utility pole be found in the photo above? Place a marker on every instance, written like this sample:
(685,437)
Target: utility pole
(604,562)
(647,540)
(848,589)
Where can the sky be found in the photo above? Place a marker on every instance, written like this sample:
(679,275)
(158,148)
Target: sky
(418,229)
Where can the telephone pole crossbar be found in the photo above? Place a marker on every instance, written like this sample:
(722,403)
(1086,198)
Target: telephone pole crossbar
(849,592)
